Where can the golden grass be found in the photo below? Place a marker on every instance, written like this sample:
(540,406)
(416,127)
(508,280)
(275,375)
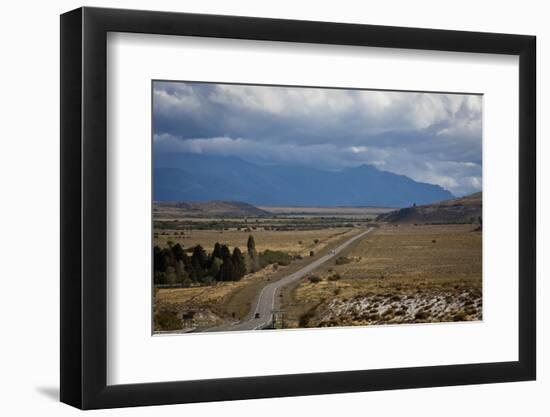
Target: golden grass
(286,241)
(410,251)
(208,295)
(393,261)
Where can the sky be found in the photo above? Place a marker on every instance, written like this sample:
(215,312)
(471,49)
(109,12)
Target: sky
(429,137)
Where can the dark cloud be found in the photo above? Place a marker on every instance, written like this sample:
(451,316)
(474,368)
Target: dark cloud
(430,137)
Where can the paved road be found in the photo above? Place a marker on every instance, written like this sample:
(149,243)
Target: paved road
(265,302)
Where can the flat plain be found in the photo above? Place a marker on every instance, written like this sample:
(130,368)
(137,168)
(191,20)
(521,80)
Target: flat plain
(398,274)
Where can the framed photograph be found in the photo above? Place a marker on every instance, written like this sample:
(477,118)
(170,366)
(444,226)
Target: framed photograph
(257,207)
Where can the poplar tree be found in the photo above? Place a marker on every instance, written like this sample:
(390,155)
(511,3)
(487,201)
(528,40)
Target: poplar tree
(239,264)
(253,259)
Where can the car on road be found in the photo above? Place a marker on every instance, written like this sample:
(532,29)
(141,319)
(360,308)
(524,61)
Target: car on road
(332,252)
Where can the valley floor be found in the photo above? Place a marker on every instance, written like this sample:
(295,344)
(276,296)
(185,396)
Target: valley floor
(397,274)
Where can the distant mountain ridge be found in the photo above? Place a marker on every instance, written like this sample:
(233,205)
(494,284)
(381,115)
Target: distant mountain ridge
(193,177)
(466,209)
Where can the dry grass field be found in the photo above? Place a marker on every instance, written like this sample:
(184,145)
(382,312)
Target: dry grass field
(398,274)
(286,241)
(212,305)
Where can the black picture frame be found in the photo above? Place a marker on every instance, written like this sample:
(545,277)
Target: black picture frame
(84,207)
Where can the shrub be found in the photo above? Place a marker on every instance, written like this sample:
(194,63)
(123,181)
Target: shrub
(316,241)
(311,253)
(167,320)
(207,280)
(471,311)
(421,315)
(314,279)
(388,312)
(305,319)
(268,257)
(460,316)
(342,260)
(334,277)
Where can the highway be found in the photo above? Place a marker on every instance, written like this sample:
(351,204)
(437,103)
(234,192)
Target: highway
(265,302)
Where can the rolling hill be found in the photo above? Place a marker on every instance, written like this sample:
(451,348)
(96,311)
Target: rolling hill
(193,177)
(466,209)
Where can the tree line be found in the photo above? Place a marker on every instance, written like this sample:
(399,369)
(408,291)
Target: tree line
(173,265)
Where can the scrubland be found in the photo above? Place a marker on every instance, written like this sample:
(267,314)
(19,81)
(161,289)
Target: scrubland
(398,274)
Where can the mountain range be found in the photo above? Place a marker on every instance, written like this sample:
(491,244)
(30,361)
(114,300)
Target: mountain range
(197,177)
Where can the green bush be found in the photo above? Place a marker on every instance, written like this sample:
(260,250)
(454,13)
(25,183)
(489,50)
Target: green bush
(269,257)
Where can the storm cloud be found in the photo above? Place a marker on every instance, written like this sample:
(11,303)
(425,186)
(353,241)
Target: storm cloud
(430,137)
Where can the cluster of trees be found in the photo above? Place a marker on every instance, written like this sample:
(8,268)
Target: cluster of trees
(173,265)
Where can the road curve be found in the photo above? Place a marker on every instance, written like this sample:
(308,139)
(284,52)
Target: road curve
(265,302)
